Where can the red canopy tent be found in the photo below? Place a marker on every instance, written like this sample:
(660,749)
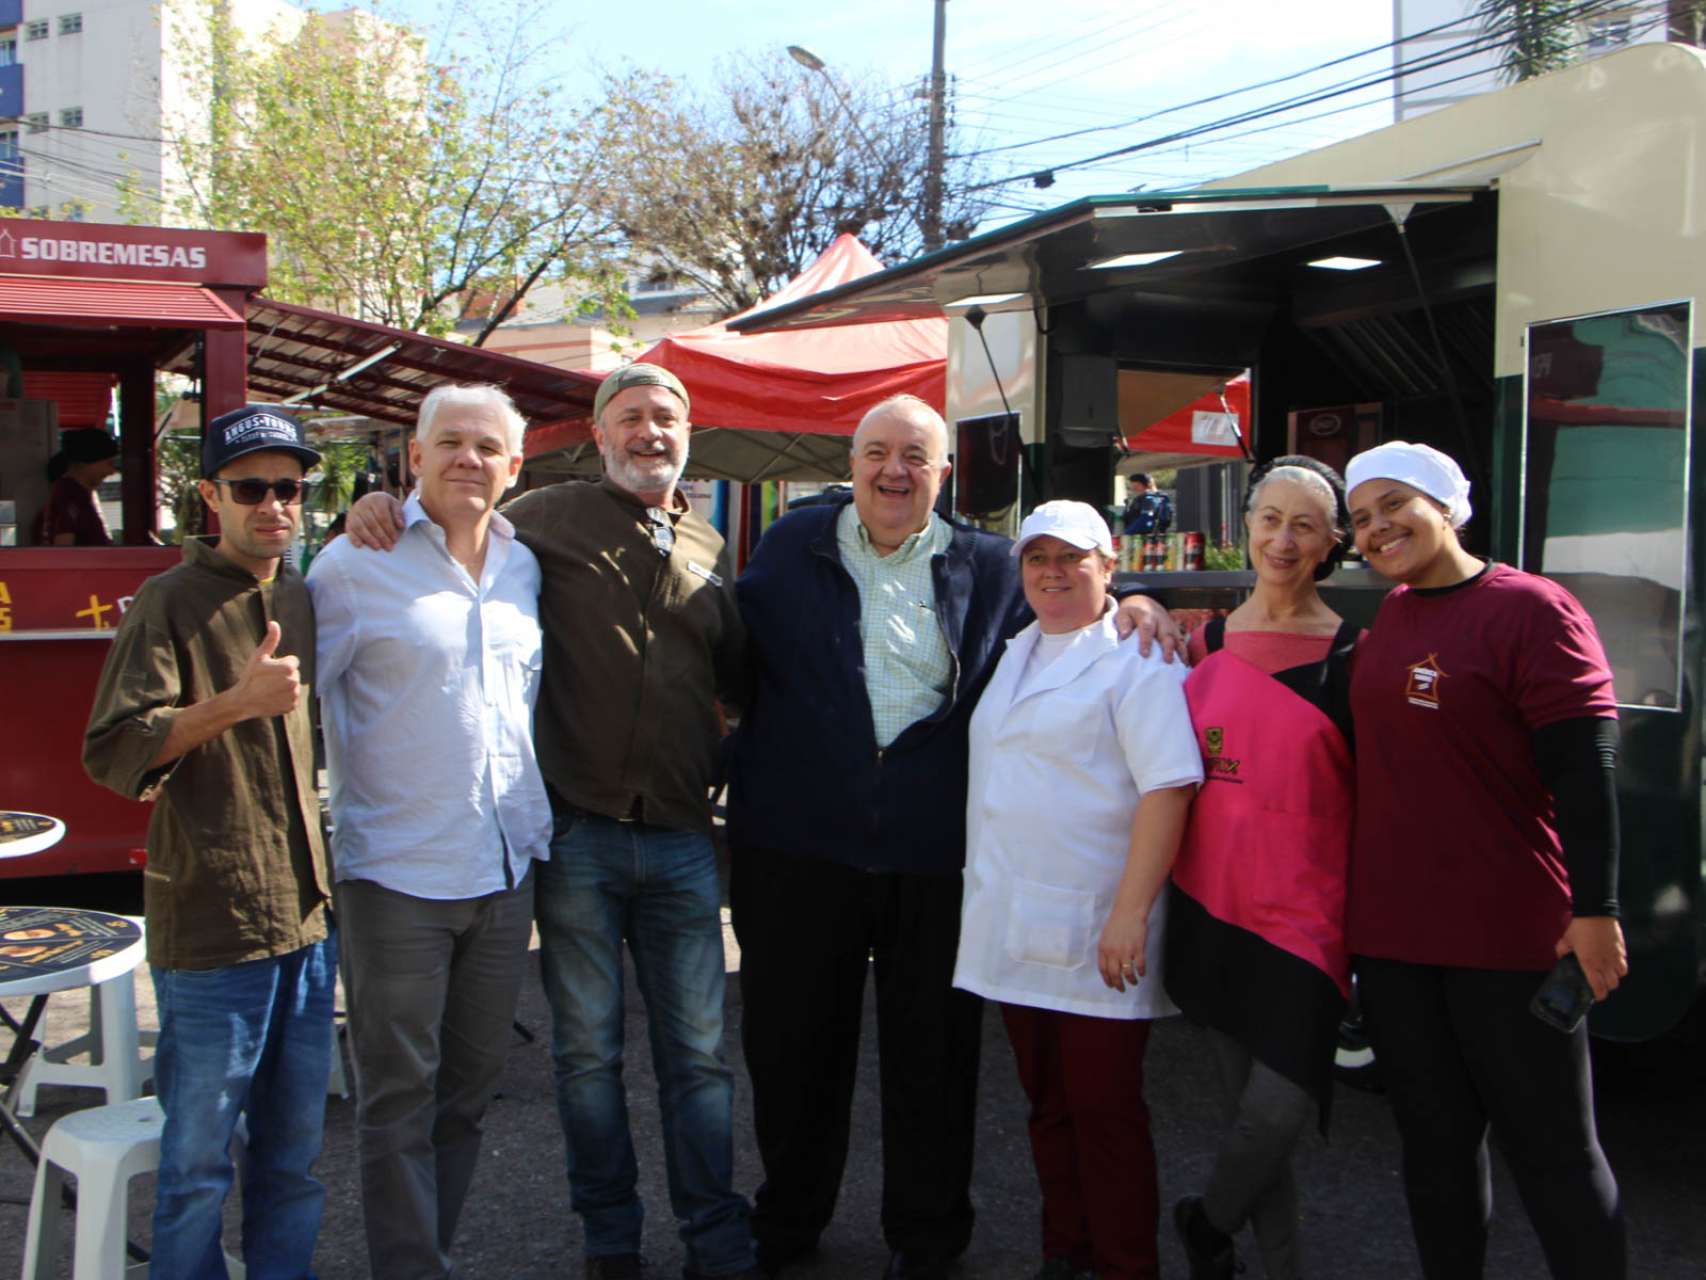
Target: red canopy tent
(1202,428)
(778,406)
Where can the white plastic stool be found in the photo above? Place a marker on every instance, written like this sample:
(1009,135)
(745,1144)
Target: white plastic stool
(104,1147)
(112,1043)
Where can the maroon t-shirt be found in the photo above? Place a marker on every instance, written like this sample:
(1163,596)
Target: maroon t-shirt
(72,509)
(1456,859)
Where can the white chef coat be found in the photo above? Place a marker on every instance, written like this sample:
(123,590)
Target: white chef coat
(1059,760)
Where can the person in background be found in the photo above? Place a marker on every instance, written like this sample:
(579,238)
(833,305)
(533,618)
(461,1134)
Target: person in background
(72,517)
(873,625)
(429,669)
(1082,769)
(1147,509)
(1485,848)
(201,707)
(1256,916)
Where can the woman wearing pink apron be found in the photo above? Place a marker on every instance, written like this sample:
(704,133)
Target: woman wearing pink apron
(1256,943)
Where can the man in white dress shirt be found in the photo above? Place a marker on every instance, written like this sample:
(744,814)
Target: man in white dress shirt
(429,670)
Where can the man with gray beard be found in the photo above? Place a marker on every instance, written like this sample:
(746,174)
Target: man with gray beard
(641,636)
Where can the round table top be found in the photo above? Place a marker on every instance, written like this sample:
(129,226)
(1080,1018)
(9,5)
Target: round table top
(26,833)
(57,948)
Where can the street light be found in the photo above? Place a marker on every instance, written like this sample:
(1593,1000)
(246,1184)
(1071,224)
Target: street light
(811,62)
(930,224)
(805,57)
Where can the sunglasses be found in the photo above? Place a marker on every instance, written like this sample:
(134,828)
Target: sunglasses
(251,493)
(663,532)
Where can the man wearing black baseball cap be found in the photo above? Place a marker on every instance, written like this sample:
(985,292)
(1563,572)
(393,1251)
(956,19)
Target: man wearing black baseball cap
(203,706)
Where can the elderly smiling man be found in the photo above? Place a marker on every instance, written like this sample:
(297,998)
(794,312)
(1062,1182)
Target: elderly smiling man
(873,626)
(641,635)
(429,669)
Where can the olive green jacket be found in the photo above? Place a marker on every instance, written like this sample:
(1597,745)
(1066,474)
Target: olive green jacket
(638,647)
(236,860)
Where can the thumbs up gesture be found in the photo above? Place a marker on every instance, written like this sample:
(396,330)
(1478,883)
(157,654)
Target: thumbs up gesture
(269,686)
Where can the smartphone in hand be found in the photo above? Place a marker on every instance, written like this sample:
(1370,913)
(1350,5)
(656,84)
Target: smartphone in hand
(1564,999)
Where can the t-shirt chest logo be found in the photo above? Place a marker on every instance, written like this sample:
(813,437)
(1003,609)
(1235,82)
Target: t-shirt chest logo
(1218,764)
(1422,688)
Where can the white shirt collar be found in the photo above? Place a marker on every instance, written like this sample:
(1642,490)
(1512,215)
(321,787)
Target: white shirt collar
(414,512)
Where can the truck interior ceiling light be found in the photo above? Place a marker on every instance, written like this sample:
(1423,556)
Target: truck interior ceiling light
(1134,260)
(985,299)
(1346,264)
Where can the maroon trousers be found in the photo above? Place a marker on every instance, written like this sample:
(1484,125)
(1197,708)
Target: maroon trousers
(1090,1138)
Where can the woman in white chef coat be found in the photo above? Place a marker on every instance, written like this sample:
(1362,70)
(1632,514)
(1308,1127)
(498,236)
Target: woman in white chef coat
(1083,765)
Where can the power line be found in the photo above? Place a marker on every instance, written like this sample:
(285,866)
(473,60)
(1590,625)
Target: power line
(1477,44)
(1300,100)
(1047,67)
(990,66)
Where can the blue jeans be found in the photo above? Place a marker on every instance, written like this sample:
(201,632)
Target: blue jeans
(607,881)
(255,1040)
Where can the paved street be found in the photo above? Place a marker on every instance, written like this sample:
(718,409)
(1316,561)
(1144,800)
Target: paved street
(1653,1116)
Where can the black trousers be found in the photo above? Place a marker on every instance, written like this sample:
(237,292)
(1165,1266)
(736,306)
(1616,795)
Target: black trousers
(809,930)
(1460,1051)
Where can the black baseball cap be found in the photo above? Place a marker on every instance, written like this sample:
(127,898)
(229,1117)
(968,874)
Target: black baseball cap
(87,444)
(249,430)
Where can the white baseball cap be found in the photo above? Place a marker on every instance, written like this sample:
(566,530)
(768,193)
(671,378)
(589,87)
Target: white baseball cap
(1076,523)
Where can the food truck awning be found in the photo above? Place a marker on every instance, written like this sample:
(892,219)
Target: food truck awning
(1134,242)
(39,299)
(315,359)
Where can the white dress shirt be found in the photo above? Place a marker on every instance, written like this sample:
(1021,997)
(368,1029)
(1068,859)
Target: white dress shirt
(427,682)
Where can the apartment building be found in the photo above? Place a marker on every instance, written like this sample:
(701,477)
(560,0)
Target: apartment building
(86,87)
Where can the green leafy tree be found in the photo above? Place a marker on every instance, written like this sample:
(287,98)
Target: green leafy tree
(68,211)
(1685,21)
(737,187)
(1534,36)
(392,186)
(1537,36)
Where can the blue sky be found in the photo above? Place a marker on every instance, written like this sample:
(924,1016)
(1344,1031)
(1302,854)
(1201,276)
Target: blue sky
(1027,69)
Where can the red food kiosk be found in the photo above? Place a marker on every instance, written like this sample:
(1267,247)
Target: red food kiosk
(86,309)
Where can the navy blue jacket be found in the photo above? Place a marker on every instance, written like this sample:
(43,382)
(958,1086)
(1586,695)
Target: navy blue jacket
(807,777)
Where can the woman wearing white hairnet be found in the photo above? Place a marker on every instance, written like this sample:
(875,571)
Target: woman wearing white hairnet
(1083,765)
(1485,849)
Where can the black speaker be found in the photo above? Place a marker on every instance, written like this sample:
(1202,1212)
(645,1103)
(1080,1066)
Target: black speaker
(1089,401)
(986,464)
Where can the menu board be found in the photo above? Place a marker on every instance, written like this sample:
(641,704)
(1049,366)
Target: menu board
(35,941)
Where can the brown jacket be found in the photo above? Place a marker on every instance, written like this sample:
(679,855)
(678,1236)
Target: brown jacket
(637,649)
(236,863)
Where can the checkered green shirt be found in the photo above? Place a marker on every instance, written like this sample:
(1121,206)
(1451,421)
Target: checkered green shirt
(908,666)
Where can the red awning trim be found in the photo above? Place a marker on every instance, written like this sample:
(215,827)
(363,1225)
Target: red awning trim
(127,302)
(85,399)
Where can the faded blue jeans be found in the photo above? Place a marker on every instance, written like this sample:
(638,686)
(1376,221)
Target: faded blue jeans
(251,1039)
(607,881)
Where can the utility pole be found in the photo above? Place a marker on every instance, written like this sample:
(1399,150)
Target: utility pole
(938,124)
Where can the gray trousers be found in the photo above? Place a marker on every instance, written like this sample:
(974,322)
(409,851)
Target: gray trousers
(1265,1116)
(431,987)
